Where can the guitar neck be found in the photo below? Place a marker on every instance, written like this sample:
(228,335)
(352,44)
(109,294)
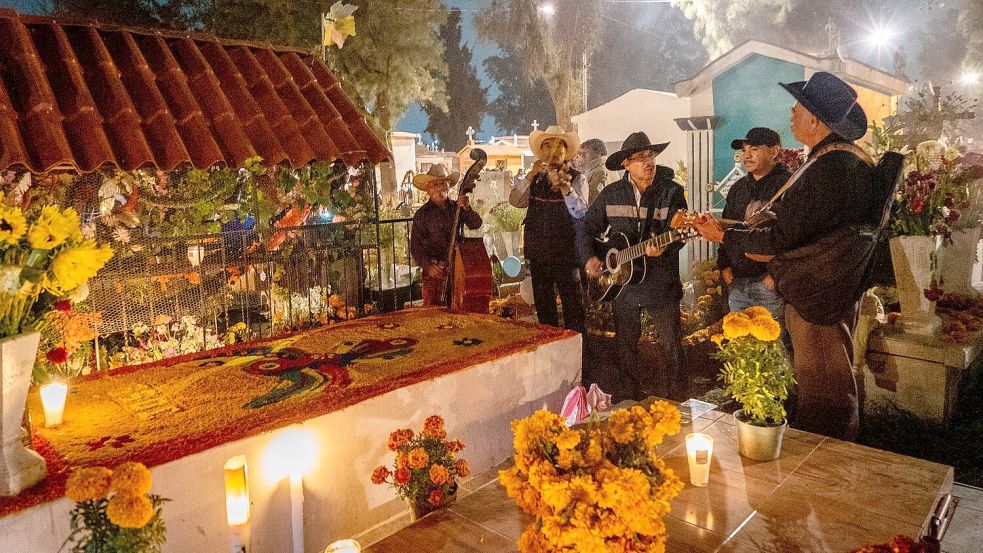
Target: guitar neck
(638,250)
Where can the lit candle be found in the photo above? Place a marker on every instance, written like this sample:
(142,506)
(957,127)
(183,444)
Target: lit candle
(297,511)
(237,503)
(699,449)
(344,546)
(53,400)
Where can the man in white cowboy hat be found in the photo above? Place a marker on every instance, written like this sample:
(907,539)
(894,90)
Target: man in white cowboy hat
(430,237)
(831,192)
(555,194)
(639,205)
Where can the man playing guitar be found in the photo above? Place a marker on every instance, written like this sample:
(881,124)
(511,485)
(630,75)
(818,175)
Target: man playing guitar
(639,205)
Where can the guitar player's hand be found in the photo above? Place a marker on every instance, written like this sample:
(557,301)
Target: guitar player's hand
(593,266)
(710,228)
(728,275)
(652,251)
(464,201)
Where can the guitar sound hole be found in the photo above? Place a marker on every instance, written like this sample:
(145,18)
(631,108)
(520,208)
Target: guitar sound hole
(611,261)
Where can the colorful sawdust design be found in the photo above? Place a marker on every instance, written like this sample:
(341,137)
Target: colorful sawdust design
(163,411)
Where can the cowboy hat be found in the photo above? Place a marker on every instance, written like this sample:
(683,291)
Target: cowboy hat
(437,171)
(833,102)
(636,142)
(536,139)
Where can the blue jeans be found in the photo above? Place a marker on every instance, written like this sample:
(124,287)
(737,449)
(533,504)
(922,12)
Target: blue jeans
(748,291)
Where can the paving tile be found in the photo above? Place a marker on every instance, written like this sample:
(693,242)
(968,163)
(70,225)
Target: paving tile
(965,532)
(491,507)
(446,532)
(686,538)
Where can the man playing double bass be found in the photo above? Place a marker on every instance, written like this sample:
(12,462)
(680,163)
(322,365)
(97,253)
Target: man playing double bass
(432,228)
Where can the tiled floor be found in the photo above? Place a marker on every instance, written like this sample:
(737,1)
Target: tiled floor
(807,497)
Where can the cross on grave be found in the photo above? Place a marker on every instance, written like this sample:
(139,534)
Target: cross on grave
(470,134)
(535,125)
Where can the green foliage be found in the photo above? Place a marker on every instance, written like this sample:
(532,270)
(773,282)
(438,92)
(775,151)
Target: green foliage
(758,375)
(507,218)
(92,532)
(520,100)
(466,99)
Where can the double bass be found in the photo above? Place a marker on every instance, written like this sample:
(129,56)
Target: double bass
(469,283)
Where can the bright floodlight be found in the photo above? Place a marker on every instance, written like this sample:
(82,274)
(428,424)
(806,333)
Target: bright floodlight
(969,78)
(881,36)
(547,9)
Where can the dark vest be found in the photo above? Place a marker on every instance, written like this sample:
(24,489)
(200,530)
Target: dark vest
(549,232)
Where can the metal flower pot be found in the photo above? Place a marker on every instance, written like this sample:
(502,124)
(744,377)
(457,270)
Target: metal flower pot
(759,443)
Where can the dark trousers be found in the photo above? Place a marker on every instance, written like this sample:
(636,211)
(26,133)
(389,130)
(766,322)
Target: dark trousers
(828,402)
(636,379)
(548,280)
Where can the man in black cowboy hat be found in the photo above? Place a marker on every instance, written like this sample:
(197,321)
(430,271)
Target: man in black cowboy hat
(639,205)
(830,192)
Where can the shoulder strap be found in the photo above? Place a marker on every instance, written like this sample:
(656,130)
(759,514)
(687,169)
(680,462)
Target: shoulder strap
(834,147)
(647,229)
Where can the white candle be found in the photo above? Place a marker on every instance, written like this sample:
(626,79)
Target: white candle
(237,503)
(344,546)
(699,449)
(297,511)
(53,400)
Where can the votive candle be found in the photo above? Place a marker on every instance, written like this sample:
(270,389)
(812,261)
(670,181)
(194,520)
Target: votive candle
(344,546)
(53,397)
(699,449)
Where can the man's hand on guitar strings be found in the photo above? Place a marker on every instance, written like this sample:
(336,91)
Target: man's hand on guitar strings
(593,267)
(709,228)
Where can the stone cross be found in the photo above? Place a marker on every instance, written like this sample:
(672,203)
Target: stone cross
(470,134)
(535,125)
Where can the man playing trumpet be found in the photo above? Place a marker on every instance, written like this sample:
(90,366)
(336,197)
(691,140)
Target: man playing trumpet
(555,195)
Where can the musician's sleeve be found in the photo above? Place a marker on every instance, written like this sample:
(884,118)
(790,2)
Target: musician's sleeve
(576,200)
(676,202)
(418,239)
(471,218)
(723,258)
(519,196)
(592,224)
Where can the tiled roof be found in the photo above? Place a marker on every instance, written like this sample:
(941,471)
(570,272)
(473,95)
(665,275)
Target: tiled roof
(80,95)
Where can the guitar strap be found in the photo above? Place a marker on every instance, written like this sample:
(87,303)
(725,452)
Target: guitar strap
(647,229)
(835,147)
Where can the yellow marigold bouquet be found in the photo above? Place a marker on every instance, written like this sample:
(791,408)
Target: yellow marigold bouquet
(426,465)
(114,513)
(598,488)
(756,369)
(43,257)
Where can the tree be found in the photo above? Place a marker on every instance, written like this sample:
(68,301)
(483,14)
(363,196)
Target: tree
(547,45)
(467,100)
(520,101)
(644,47)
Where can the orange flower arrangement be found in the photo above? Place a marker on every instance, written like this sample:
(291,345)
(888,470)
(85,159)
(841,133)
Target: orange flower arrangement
(426,465)
(898,544)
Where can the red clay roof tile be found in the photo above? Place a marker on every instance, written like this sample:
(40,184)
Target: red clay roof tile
(79,95)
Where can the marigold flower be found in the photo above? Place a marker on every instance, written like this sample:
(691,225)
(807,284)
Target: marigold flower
(399,438)
(87,484)
(132,478)
(462,468)
(57,355)
(436,497)
(439,474)
(736,324)
(568,439)
(401,460)
(434,426)
(129,511)
(336,302)
(402,476)
(418,458)
(717,339)
(766,330)
(455,445)
(379,475)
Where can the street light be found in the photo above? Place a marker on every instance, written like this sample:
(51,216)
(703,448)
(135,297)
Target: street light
(547,9)
(969,78)
(881,36)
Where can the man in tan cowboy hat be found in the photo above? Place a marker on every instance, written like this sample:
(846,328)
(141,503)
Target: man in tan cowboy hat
(639,205)
(831,192)
(555,194)
(431,235)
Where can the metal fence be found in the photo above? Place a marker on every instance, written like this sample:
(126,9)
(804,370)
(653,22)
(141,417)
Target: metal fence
(272,280)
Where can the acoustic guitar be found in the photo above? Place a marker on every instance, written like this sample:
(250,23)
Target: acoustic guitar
(623,263)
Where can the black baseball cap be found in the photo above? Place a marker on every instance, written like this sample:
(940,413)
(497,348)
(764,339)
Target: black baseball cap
(758,136)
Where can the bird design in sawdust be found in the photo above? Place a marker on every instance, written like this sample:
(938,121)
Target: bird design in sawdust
(299,372)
